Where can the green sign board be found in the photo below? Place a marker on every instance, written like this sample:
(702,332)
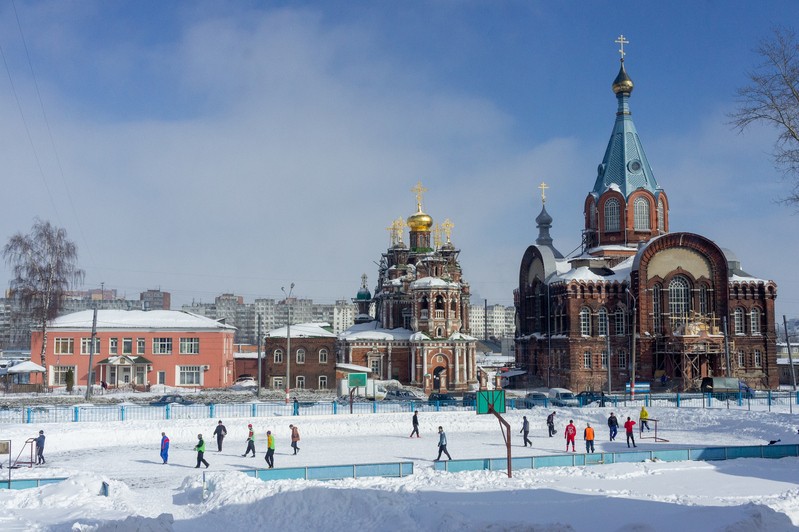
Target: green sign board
(356,379)
(493,398)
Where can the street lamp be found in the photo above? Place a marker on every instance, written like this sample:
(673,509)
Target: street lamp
(632,349)
(288,339)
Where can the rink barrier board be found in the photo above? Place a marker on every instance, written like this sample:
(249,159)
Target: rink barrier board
(27,483)
(699,454)
(333,472)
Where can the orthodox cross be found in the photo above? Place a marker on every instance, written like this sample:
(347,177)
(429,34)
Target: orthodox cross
(419,190)
(392,232)
(447,226)
(543,186)
(399,226)
(622,41)
(363,281)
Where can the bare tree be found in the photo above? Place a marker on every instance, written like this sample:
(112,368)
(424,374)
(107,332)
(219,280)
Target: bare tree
(44,267)
(773,98)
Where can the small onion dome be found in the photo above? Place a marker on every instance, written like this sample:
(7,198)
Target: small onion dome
(544,218)
(420,221)
(363,294)
(622,83)
(448,246)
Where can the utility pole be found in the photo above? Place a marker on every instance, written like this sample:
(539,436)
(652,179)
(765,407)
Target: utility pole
(89,379)
(726,345)
(288,340)
(790,357)
(632,349)
(258,393)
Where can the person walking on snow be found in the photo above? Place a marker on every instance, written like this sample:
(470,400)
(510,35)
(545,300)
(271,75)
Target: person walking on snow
(220,432)
(442,444)
(295,438)
(644,417)
(164,447)
(270,449)
(415,424)
(613,425)
(588,434)
(628,429)
(200,448)
(551,424)
(250,441)
(526,431)
(571,432)
(40,448)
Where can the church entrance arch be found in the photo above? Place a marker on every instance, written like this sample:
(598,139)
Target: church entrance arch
(437,375)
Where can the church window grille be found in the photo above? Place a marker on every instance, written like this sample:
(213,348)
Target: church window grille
(585,322)
(657,308)
(620,328)
(754,322)
(622,355)
(738,320)
(679,301)
(758,359)
(587,359)
(661,216)
(741,358)
(641,214)
(612,223)
(602,322)
(703,306)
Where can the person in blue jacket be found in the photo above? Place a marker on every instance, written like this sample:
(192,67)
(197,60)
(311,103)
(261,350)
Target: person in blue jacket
(442,444)
(164,447)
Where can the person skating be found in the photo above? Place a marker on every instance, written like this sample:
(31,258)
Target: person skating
(526,431)
(200,448)
(570,433)
(40,448)
(644,417)
(270,449)
(220,432)
(551,424)
(588,434)
(442,444)
(164,447)
(628,429)
(295,438)
(250,441)
(613,425)
(415,424)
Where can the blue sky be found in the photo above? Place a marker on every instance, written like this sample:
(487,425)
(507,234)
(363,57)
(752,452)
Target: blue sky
(213,147)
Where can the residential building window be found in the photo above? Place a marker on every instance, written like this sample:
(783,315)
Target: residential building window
(657,308)
(162,346)
(622,355)
(300,380)
(621,330)
(189,346)
(300,356)
(277,383)
(64,346)
(113,346)
(59,374)
(162,377)
(323,382)
(641,214)
(278,356)
(127,346)
(587,359)
(86,344)
(602,322)
(754,322)
(738,320)
(585,322)
(741,358)
(374,363)
(323,356)
(758,359)
(679,301)
(189,375)
(604,359)
(612,215)
(140,346)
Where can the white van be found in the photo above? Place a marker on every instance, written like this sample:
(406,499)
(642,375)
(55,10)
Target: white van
(563,397)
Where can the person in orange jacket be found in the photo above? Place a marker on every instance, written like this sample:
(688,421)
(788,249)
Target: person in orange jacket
(295,437)
(571,432)
(588,435)
(628,428)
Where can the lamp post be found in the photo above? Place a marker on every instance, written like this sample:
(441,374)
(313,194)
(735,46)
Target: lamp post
(288,339)
(632,349)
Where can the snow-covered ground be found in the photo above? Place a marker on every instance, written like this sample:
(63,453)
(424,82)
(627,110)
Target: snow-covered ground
(739,495)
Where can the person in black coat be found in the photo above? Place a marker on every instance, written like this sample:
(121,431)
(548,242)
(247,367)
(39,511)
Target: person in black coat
(220,432)
(40,448)
(415,424)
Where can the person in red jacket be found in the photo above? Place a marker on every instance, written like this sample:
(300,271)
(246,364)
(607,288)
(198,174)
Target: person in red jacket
(628,427)
(571,432)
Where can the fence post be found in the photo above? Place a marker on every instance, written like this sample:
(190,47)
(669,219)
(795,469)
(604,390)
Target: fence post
(335,407)
(122,412)
(28,414)
(211,410)
(76,414)
(168,411)
(374,407)
(252,410)
(678,399)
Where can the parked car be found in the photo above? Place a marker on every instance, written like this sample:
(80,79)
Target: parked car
(400,395)
(469,398)
(442,397)
(171,400)
(563,397)
(245,377)
(535,399)
(588,397)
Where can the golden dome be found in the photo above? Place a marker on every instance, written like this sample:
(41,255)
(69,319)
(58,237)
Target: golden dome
(622,83)
(420,221)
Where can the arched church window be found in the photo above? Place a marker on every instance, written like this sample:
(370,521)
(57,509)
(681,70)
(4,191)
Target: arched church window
(612,215)
(452,306)
(585,321)
(657,308)
(738,319)
(679,301)
(423,303)
(703,307)
(754,322)
(641,214)
(602,324)
(661,216)
(439,303)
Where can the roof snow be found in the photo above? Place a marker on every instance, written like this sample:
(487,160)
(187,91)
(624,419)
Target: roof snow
(429,282)
(303,330)
(137,319)
(370,331)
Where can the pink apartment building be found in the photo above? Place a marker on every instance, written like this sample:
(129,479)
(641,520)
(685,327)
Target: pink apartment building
(135,347)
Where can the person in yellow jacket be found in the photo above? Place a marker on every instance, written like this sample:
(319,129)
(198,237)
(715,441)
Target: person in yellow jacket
(588,435)
(270,449)
(644,418)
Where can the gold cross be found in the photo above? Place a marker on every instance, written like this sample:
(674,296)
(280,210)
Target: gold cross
(392,232)
(622,41)
(447,226)
(399,226)
(437,236)
(543,186)
(419,190)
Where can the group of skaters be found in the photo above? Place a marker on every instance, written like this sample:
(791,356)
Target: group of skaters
(588,433)
(220,432)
